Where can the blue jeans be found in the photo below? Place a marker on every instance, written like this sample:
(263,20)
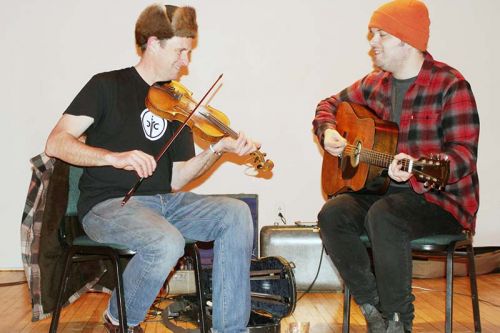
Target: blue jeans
(155,227)
(391,221)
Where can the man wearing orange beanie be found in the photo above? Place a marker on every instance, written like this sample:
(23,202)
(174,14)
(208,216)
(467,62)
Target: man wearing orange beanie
(435,110)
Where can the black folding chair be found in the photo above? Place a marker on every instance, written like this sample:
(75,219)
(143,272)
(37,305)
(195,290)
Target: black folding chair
(82,248)
(438,245)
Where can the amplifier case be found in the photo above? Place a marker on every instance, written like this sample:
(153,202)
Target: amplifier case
(302,246)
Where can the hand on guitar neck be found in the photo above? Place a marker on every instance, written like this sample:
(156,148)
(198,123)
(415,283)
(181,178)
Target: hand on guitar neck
(396,171)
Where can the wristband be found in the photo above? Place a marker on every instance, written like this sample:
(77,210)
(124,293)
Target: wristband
(218,153)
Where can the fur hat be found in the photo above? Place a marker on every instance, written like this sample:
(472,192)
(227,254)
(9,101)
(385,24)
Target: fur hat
(165,22)
(408,20)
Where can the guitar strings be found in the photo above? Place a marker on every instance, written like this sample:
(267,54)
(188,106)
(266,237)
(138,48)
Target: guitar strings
(373,157)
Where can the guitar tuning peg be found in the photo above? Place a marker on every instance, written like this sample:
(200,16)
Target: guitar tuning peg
(435,157)
(444,157)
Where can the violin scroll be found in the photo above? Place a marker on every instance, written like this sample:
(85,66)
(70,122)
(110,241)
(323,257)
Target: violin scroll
(260,162)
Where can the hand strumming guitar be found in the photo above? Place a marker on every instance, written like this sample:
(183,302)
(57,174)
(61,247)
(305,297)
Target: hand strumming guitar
(333,142)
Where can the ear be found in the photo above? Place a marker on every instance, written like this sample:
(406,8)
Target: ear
(153,43)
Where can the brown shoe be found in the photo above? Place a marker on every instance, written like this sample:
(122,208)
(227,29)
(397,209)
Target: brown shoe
(110,328)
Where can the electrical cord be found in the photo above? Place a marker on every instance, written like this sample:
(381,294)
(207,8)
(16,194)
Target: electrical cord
(316,277)
(155,310)
(283,219)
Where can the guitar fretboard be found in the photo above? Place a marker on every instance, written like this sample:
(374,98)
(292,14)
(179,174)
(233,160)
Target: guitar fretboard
(372,157)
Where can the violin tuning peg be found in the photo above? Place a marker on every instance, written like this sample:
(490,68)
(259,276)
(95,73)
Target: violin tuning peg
(269,164)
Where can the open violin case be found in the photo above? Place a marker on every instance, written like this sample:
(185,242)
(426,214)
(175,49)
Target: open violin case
(273,292)
(273,295)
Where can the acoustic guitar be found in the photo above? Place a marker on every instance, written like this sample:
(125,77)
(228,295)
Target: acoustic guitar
(370,150)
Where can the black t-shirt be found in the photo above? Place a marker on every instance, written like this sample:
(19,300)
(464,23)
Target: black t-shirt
(115,100)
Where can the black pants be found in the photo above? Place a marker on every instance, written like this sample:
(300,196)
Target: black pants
(391,221)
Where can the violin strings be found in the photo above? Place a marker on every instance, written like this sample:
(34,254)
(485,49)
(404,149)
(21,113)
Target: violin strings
(208,116)
(219,124)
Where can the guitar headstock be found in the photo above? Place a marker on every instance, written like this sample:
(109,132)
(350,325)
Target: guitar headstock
(433,172)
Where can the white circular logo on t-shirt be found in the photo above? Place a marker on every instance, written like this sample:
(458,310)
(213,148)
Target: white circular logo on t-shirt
(153,126)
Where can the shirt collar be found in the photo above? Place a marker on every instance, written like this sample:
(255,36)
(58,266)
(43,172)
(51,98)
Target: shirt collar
(424,76)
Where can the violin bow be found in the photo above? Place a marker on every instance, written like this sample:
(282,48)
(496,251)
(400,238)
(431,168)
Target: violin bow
(169,142)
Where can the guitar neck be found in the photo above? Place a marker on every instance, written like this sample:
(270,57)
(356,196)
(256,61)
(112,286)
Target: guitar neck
(376,158)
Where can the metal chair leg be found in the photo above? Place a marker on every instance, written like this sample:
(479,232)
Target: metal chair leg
(473,288)
(347,310)
(63,285)
(120,294)
(449,288)
(199,290)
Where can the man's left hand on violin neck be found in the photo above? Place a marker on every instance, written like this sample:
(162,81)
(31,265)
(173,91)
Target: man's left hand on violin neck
(241,146)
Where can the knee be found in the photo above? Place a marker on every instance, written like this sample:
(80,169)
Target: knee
(240,215)
(330,216)
(326,215)
(379,219)
(238,223)
(163,245)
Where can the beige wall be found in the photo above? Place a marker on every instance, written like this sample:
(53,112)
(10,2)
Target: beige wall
(279,58)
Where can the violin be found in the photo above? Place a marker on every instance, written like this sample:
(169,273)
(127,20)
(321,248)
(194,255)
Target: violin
(173,101)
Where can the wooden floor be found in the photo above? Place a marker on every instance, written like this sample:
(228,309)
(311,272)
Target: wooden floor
(322,310)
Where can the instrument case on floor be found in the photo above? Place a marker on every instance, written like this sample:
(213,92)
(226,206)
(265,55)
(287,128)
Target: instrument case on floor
(273,291)
(273,296)
(301,245)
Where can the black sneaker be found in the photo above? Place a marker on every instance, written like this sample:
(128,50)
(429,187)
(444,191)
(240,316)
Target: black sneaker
(374,320)
(110,328)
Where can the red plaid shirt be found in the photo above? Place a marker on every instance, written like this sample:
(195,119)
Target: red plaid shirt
(439,115)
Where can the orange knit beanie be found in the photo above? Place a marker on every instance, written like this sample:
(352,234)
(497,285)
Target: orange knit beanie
(408,20)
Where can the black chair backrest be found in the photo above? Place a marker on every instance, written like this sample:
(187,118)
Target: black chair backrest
(70,226)
(74,192)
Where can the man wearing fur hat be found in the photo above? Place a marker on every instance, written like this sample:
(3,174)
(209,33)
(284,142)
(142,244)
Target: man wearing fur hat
(122,138)
(436,112)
